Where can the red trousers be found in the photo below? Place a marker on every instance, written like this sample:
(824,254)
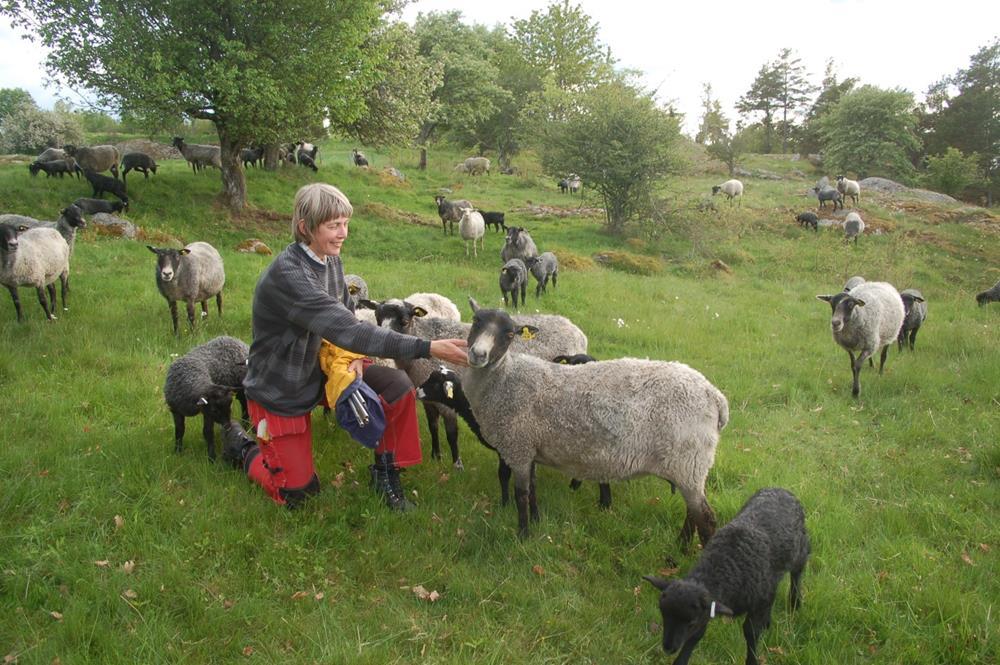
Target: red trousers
(284,465)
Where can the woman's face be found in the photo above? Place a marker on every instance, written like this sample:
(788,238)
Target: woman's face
(329,237)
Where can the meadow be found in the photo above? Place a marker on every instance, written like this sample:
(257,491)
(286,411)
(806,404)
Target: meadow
(114,549)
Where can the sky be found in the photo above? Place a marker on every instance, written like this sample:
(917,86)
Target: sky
(679,46)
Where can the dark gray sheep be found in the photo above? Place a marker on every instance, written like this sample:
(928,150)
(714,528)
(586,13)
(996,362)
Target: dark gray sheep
(991,294)
(359,158)
(98,158)
(545,266)
(94,206)
(203,381)
(517,245)
(494,219)
(450,212)
(252,157)
(915,313)
(138,161)
(199,156)
(828,193)
(59,167)
(513,278)
(808,219)
(306,160)
(102,183)
(193,274)
(738,573)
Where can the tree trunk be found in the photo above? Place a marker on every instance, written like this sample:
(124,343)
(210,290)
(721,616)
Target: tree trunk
(234,185)
(271,160)
(423,158)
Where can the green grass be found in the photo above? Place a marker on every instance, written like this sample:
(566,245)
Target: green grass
(900,487)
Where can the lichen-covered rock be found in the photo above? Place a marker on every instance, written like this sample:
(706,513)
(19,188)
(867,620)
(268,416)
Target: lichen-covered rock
(111,225)
(254,246)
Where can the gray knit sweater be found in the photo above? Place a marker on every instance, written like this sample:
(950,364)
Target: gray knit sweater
(297,304)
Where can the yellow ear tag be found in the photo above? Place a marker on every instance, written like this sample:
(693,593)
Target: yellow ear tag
(449,389)
(527,334)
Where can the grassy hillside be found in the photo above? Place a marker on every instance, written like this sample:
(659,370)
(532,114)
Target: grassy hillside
(116,550)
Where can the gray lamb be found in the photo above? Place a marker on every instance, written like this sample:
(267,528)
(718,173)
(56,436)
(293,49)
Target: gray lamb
(915,313)
(543,267)
(738,573)
(513,278)
(599,421)
(193,274)
(864,321)
(203,381)
(991,294)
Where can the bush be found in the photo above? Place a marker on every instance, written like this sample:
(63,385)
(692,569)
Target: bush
(30,130)
(952,172)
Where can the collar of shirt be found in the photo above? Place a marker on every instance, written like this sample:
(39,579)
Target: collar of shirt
(312,255)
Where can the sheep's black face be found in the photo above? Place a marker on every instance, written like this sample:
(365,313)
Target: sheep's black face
(908,300)
(74,216)
(167,262)
(843,305)
(492,332)
(441,386)
(216,403)
(8,237)
(513,233)
(686,608)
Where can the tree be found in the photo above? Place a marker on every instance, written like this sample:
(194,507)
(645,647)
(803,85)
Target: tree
(871,131)
(714,124)
(830,93)
(12,99)
(259,71)
(763,97)
(619,142)
(728,149)
(30,130)
(793,91)
(952,172)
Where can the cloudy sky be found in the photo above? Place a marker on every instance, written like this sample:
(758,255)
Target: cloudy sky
(680,46)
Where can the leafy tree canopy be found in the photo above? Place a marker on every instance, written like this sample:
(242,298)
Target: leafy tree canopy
(12,99)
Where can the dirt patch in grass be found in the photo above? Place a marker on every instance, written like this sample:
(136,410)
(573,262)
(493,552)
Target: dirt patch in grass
(557,211)
(260,219)
(382,211)
(635,264)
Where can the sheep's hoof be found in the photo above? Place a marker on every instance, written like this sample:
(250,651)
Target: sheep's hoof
(204,314)
(458,465)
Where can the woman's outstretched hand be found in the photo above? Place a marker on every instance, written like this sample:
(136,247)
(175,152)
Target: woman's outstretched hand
(454,351)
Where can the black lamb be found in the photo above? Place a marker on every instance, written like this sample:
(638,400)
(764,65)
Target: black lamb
(494,219)
(738,573)
(103,183)
(808,219)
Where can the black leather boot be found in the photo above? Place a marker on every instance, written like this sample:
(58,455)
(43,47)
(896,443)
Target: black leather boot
(237,444)
(386,481)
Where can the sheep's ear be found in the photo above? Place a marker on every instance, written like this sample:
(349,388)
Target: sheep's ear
(419,311)
(152,249)
(449,389)
(825,298)
(201,402)
(659,583)
(917,298)
(719,610)
(503,271)
(473,304)
(527,332)
(184,252)
(858,302)
(369,304)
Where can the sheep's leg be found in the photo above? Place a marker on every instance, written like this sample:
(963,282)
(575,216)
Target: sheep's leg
(521,491)
(190,312)
(700,517)
(575,484)
(433,414)
(524,287)
(204,308)
(754,625)
(64,289)
(795,589)
(173,314)
(45,305)
(208,430)
(553,281)
(51,290)
(17,302)
(503,475)
(241,397)
(178,432)
(218,302)
(538,288)
(913,338)
(881,360)
(532,496)
(856,370)
(605,499)
(451,431)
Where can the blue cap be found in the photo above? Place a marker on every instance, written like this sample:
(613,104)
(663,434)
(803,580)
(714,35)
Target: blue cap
(369,433)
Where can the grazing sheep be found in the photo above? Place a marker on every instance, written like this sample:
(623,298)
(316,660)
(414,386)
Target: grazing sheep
(59,167)
(513,276)
(193,274)
(732,189)
(914,315)
(494,219)
(252,157)
(563,185)
(602,421)
(50,154)
(34,257)
(574,183)
(70,219)
(808,219)
(138,161)
(98,158)
(474,166)
(853,282)
(849,188)
(359,158)
(444,386)
(854,226)
(203,381)
(738,573)
(543,267)
(517,245)
(102,183)
(558,336)
(306,160)
(450,212)
(864,321)
(825,194)
(93,206)
(472,227)
(199,156)
(310,149)
(991,294)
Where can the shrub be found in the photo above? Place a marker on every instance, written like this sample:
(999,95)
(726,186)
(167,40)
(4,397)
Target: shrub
(952,172)
(30,130)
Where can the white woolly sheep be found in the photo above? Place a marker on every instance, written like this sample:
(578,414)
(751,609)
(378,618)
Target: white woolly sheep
(518,244)
(98,158)
(864,321)
(513,277)
(193,274)
(850,188)
(601,421)
(853,282)
(203,381)
(450,211)
(574,183)
(474,166)
(34,257)
(545,266)
(70,219)
(199,156)
(914,315)
(472,227)
(738,573)
(854,226)
(991,294)
(138,161)
(732,189)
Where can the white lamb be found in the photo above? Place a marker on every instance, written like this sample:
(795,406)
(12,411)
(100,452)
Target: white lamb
(472,227)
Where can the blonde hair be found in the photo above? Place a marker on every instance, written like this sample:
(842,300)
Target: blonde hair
(316,203)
